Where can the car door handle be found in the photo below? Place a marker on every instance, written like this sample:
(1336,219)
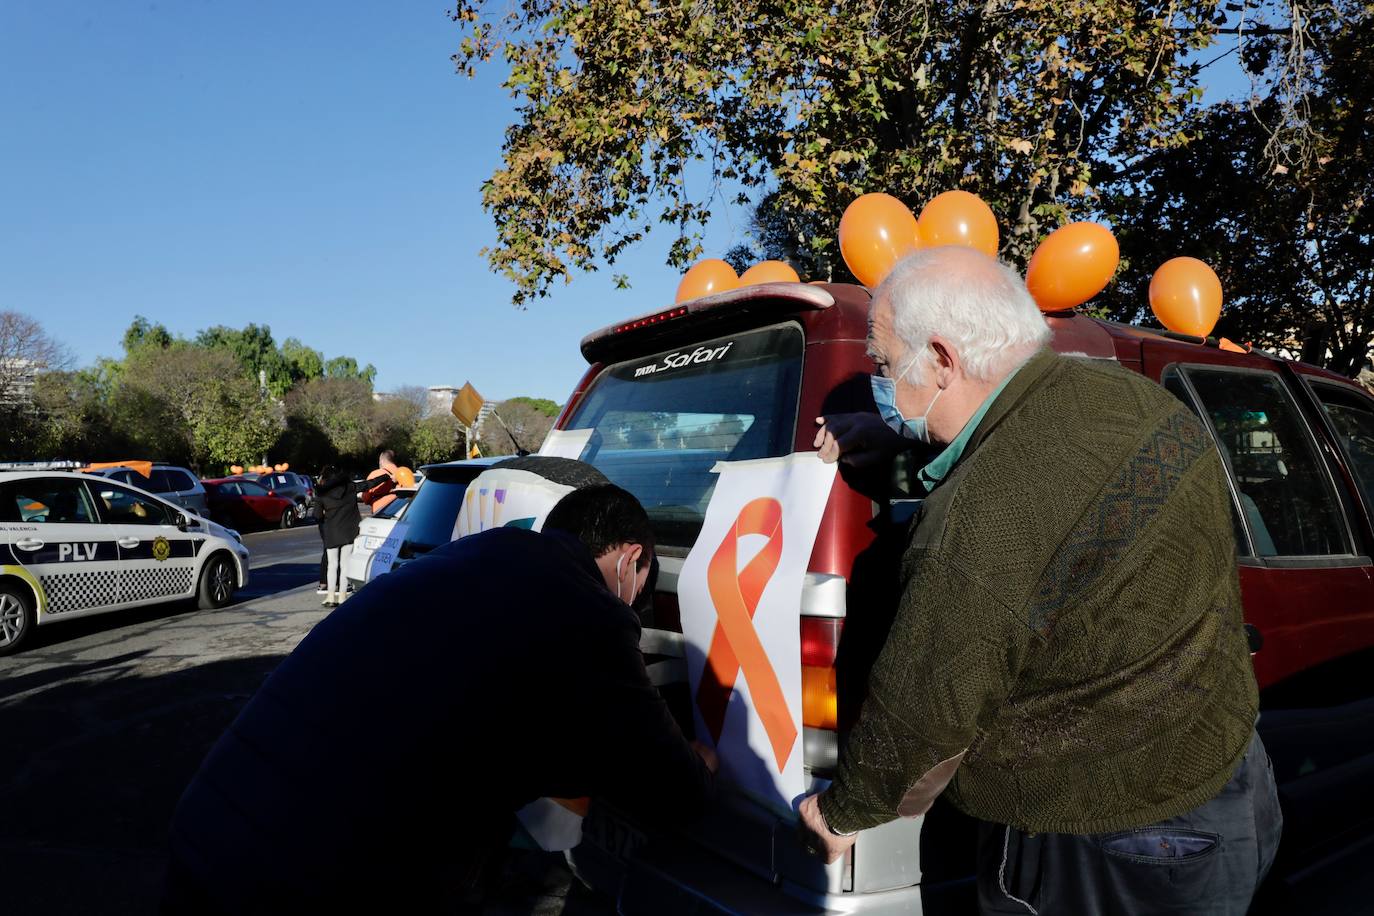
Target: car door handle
(28,543)
(127,542)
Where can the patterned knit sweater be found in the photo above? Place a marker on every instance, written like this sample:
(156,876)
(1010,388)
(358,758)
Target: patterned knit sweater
(1069,646)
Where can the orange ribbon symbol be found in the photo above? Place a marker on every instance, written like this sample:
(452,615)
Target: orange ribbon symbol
(735,644)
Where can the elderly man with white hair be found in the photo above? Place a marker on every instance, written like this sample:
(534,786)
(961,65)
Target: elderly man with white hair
(1067,663)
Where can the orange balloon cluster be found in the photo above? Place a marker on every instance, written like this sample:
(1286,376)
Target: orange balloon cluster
(405,477)
(236,469)
(1185,295)
(1073,264)
(713,275)
(878,230)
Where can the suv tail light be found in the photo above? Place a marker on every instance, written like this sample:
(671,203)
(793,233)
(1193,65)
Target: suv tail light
(820,640)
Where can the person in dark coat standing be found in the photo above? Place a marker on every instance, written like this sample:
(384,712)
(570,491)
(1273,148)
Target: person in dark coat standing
(391,749)
(337,500)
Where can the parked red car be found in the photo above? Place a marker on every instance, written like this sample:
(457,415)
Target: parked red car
(244,504)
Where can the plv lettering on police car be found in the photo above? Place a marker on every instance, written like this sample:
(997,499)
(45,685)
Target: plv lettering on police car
(678,360)
(76,552)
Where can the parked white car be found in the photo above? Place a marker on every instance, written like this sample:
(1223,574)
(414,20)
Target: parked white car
(429,518)
(372,533)
(73,545)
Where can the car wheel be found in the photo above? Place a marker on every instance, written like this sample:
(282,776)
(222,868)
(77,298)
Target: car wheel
(16,617)
(217,583)
(288,519)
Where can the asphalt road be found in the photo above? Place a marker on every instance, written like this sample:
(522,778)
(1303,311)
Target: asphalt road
(104,721)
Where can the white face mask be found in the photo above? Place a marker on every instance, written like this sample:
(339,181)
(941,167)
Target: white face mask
(634,578)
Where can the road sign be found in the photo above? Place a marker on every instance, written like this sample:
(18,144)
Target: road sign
(467,404)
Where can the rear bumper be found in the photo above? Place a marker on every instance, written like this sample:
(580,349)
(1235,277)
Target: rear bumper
(679,877)
(738,857)
(358,561)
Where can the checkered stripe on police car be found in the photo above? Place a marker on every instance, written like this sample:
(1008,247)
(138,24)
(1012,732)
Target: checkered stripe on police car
(80,590)
(140,584)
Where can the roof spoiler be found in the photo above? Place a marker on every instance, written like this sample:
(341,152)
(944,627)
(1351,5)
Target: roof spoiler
(760,298)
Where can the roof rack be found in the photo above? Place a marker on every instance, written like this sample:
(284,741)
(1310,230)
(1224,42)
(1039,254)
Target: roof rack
(1213,342)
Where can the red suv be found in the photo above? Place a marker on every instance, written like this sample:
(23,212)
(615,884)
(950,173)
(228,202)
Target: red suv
(743,374)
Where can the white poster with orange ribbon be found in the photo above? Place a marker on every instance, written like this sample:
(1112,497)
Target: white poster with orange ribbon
(740,595)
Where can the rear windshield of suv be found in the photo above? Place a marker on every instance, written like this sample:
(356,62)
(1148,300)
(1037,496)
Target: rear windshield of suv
(431,518)
(660,423)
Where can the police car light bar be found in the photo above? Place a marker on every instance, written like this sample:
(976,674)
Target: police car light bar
(41,465)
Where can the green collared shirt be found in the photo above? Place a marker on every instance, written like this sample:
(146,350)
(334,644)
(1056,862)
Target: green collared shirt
(932,474)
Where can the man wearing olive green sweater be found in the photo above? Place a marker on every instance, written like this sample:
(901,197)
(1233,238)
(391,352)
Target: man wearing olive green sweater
(1068,661)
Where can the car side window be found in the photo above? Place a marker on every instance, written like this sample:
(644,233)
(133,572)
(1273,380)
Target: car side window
(249,488)
(164,481)
(1174,384)
(46,500)
(1352,416)
(125,507)
(1282,485)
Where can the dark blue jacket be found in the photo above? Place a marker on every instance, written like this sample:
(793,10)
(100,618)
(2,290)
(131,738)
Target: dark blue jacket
(406,728)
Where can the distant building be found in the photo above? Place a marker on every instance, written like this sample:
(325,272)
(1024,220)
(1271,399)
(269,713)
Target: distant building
(441,399)
(17,376)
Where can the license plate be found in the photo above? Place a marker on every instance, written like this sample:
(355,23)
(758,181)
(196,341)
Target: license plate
(372,543)
(609,832)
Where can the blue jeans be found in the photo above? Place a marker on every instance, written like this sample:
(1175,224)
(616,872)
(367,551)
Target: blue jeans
(1205,862)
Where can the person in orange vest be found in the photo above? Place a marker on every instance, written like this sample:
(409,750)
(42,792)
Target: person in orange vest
(381,496)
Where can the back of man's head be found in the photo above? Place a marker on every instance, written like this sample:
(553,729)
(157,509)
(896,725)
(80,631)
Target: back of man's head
(602,517)
(972,300)
(387,455)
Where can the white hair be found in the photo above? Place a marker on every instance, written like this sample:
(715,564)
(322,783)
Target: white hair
(976,302)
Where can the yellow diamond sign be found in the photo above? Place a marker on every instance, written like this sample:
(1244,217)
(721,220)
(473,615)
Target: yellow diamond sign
(467,404)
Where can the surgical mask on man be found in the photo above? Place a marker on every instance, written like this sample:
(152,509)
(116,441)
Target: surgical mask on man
(885,396)
(634,577)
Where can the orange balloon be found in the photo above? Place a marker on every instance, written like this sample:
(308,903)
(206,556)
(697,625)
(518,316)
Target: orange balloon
(876,231)
(1073,264)
(958,218)
(1185,296)
(236,469)
(706,277)
(769,272)
(405,477)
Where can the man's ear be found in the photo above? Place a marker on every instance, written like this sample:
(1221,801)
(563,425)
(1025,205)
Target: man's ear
(948,366)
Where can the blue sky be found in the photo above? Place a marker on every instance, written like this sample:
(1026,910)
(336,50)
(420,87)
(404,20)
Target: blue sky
(311,166)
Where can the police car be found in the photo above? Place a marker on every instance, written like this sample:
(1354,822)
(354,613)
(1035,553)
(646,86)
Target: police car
(73,545)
